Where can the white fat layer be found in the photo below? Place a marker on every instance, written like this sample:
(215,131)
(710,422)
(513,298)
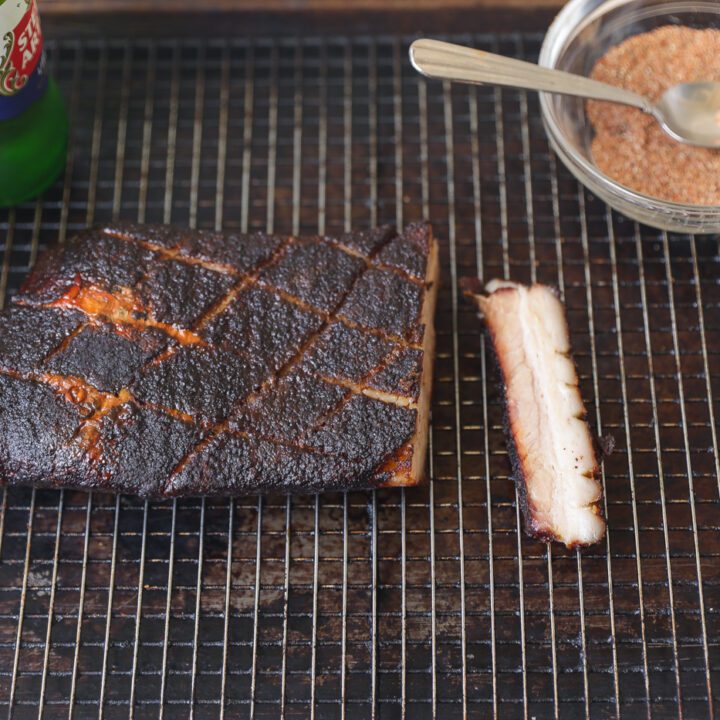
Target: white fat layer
(546,412)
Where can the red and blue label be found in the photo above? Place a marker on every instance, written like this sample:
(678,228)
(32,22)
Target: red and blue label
(22,69)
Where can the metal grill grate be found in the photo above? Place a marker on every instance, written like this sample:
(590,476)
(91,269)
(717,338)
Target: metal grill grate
(422,603)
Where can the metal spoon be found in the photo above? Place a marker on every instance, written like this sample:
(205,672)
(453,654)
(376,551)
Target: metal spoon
(689,112)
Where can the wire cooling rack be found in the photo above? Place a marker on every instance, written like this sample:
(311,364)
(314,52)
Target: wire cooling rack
(423,603)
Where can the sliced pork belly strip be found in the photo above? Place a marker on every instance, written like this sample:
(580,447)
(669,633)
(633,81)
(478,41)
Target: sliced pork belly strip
(553,451)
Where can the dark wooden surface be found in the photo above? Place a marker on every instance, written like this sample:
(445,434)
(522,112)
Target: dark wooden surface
(291,17)
(142,6)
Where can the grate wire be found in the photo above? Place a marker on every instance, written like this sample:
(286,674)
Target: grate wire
(427,602)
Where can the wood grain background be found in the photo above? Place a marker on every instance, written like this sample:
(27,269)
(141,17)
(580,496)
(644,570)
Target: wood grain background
(122,18)
(349,6)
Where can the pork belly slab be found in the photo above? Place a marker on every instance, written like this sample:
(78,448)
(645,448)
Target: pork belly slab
(552,449)
(166,362)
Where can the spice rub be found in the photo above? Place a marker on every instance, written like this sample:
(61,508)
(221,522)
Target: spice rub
(630,146)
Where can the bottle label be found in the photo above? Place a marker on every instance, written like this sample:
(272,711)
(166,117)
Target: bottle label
(22,76)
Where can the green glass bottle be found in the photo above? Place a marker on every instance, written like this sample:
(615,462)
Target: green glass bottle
(33,120)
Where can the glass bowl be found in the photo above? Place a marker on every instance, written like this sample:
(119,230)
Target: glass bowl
(582,32)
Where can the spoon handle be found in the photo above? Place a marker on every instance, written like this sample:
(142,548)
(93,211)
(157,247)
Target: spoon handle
(447,61)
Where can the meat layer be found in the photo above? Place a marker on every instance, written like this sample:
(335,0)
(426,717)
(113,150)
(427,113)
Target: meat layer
(553,451)
(166,362)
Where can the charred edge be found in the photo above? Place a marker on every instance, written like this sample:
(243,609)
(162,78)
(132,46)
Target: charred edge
(218,431)
(391,232)
(518,473)
(302,350)
(377,332)
(65,342)
(292,299)
(172,412)
(247,280)
(331,317)
(89,432)
(397,470)
(75,390)
(174,253)
(389,237)
(222,426)
(368,392)
(44,266)
(518,477)
(194,451)
(219,305)
(384,362)
(377,480)
(604,445)
(121,308)
(369,262)
(334,242)
(170,253)
(361,387)
(249,435)
(90,400)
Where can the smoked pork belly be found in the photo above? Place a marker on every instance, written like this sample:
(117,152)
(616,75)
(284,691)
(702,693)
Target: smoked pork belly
(166,362)
(553,452)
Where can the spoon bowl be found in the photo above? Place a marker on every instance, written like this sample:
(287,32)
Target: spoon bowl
(690,113)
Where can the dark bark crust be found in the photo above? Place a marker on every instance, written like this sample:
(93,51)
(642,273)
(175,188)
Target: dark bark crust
(165,362)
